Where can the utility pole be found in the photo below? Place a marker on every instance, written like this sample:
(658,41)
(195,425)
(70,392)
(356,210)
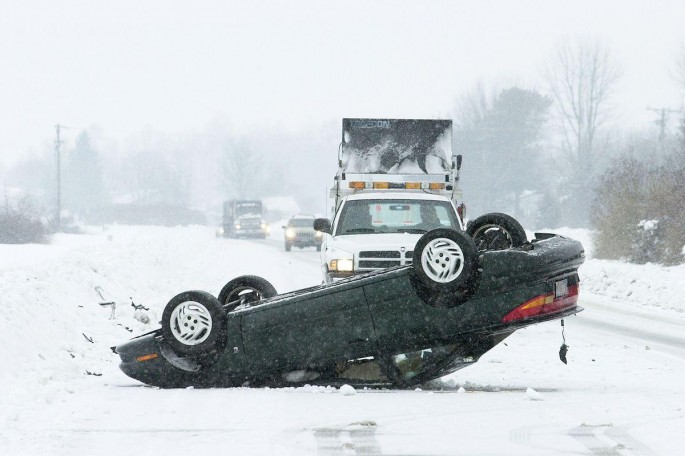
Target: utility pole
(663,118)
(58,212)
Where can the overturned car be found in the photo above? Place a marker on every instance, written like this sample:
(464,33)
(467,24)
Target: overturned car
(463,294)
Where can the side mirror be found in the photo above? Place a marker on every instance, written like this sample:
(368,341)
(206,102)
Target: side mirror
(323,225)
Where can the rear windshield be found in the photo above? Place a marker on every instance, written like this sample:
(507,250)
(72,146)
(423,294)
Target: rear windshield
(395,216)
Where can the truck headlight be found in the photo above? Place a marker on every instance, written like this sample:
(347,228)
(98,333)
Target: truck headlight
(263,225)
(290,233)
(342,265)
(237,226)
(318,234)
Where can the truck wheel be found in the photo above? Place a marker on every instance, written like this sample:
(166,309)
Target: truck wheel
(288,247)
(245,289)
(443,260)
(496,231)
(193,323)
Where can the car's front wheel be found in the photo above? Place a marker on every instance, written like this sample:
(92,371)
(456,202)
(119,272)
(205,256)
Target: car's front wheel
(243,290)
(194,323)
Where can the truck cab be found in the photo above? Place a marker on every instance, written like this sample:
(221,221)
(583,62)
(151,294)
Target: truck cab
(374,231)
(243,218)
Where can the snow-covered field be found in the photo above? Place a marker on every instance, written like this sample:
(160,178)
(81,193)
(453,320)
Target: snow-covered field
(622,392)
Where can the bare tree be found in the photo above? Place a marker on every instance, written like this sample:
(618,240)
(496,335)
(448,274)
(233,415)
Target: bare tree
(581,77)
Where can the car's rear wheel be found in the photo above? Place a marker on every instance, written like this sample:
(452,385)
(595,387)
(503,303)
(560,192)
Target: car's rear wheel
(243,290)
(194,323)
(443,261)
(496,231)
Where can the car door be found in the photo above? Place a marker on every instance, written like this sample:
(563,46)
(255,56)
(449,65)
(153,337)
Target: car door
(402,321)
(308,330)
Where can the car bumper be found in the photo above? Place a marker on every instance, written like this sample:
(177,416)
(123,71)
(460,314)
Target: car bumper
(303,242)
(254,232)
(148,360)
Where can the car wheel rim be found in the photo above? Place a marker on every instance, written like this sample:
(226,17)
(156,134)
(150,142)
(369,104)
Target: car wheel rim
(191,323)
(442,260)
(493,236)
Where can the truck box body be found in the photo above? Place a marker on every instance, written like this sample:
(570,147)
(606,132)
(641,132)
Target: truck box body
(389,153)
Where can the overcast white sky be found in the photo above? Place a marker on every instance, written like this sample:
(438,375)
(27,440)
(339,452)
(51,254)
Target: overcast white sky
(178,66)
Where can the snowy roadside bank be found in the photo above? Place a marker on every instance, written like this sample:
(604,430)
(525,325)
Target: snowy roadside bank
(646,289)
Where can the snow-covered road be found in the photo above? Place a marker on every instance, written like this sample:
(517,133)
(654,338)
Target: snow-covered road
(621,393)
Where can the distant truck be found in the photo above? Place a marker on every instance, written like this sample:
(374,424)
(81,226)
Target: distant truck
(243,218)
(396,180)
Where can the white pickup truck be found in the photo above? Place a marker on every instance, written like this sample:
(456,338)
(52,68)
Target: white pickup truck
(397,179)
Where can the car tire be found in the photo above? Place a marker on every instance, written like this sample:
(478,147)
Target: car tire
(496,231)
(193,323)
(245,289)
(444,261)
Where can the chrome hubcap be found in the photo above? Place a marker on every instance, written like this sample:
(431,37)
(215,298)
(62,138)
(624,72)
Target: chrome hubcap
(191,323)
(442,260)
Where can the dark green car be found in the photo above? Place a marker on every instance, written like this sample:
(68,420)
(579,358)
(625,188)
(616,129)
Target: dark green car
(463,294)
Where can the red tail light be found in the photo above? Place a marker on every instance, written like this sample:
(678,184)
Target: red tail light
(543,305)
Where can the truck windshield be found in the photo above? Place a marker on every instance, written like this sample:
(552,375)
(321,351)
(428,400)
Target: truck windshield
(395,216)
(248,209)
(301,223)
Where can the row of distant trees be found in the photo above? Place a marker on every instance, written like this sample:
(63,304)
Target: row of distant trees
(548,156)
(157,179)
(536,154)
(558,158)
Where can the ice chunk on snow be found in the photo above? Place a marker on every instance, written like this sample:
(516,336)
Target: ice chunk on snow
(533,395)
(347,390)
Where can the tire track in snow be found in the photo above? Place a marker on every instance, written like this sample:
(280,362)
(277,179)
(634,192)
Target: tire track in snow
(609,440)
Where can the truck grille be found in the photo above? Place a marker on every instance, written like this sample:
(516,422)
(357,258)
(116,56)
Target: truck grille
(381,259)
(379,254)
(250,223)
